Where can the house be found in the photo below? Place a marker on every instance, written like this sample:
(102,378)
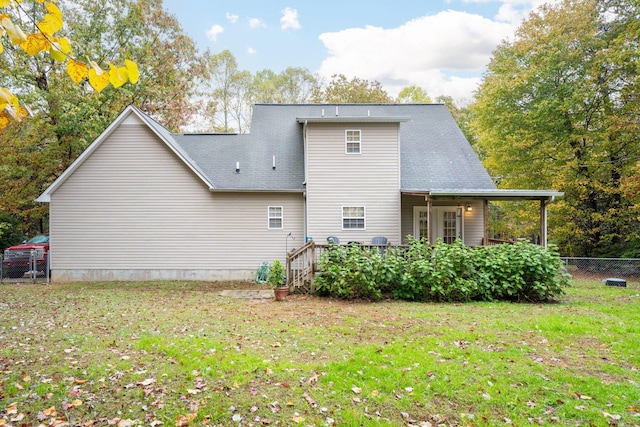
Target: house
(142,203)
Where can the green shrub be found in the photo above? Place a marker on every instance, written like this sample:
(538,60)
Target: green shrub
(350,272)
(443,272)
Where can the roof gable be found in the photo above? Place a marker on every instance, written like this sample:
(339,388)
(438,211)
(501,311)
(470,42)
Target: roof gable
(435,155)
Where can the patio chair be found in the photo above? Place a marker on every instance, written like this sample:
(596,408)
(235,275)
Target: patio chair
(333,239)
(379,241)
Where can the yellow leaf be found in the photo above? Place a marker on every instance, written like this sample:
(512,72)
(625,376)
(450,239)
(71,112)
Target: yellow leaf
(98,81)
(132,71)
(52,21)
(56,53)
(50,412)
(35,43)
(4,120)
(15,33)
(65,46)
(5,3)
(7,98)
(118,76)
(1,47)
(76,403)
(53,9)
(77,70)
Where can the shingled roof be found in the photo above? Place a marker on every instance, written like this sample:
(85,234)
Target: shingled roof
(435,155)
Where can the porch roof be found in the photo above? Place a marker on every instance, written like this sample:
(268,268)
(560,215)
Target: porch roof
(491,194)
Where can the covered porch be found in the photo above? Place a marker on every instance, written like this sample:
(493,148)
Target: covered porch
(463,214)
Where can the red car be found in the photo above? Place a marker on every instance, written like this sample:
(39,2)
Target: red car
(17,259)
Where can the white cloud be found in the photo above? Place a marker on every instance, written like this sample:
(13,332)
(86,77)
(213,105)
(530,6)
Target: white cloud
(214,31)
(289,19)
(251,51)
(444,53)
(513,11)
(256,23)
(232,17)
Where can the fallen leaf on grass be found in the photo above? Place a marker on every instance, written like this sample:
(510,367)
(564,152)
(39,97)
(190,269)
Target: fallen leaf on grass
(356,390)
(612,416)
(184,420)
(147,382)
(50,412)
(583,397)
(309,400)
(18,417)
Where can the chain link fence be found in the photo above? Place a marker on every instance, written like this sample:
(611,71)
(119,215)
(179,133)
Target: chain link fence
(603,268)
(25,268)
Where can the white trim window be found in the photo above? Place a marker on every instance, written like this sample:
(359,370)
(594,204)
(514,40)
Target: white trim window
(352,141)
(275,217)
(353,218)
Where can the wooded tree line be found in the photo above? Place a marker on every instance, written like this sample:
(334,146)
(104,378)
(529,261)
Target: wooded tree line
(557,109)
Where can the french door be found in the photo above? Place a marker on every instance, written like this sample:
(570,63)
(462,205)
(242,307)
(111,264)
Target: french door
(447,223)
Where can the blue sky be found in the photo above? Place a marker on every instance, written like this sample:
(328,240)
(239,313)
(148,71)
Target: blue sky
(442,46)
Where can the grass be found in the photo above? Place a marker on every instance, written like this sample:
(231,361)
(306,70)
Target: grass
(178,354)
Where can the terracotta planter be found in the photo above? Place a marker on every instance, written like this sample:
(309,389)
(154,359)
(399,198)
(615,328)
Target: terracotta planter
(281,293)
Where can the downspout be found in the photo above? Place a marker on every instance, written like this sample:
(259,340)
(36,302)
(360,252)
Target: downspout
(304,194)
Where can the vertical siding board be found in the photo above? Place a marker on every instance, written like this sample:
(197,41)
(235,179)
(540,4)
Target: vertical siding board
(134,205)
(370,179)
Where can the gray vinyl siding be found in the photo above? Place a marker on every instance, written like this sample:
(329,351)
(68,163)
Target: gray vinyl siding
(408,202)
(134,206)
(474,223)
(370,179)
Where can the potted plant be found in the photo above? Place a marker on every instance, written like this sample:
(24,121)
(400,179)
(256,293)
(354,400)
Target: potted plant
(277,280)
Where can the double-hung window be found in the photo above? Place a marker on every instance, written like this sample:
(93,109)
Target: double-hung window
(275,217)
(353,141)
(353,218)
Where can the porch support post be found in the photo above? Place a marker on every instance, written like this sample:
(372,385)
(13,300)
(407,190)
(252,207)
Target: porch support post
(485,226)
(429,217)
(543,223)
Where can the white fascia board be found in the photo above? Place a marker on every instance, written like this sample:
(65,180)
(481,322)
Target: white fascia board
(498,194)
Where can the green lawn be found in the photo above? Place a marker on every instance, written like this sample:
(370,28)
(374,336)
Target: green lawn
(177,354)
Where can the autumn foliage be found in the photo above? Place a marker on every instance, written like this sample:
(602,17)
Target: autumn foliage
(42,38)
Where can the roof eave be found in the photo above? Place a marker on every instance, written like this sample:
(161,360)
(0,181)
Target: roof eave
(45,197)
(497,194)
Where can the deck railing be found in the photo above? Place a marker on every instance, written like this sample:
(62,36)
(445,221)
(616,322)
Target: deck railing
(302,263)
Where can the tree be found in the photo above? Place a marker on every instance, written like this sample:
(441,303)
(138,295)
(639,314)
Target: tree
(67,116)
(224,89)
(231,92)
(354,91)
(291,86)
(43,21)
(413,95)
(558,109)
